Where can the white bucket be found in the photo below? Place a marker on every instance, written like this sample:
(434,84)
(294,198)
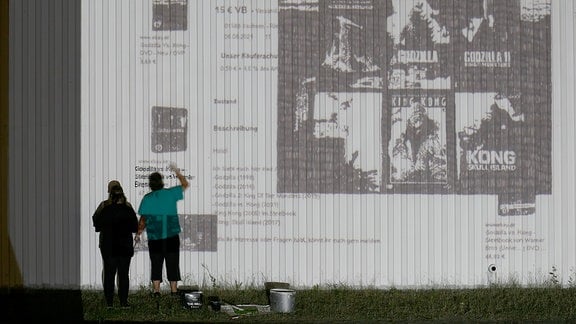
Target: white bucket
(282,300)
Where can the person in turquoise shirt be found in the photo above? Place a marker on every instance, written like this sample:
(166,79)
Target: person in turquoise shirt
(159,216)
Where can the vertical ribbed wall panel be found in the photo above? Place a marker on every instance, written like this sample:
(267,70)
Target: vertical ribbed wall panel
(330,198)
(561,208)
(308,213)
(44,143)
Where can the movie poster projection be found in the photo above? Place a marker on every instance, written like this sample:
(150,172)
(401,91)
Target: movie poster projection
(330,98)
(482,64)
(399,143)
(465,92)
(419,45)
(420,155)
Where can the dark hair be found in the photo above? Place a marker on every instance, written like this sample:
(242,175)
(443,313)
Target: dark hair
(117,195)
(155,181)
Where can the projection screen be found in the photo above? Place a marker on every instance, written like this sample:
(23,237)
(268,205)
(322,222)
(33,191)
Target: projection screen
(399,143)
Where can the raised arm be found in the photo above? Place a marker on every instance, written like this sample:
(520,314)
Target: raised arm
(181,178)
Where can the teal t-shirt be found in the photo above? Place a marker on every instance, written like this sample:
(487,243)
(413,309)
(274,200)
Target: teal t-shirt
(161,212)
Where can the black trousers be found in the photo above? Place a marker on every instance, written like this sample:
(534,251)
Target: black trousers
(168,250)
(113,265)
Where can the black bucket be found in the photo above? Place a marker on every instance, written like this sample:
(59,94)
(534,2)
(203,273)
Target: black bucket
(191,297)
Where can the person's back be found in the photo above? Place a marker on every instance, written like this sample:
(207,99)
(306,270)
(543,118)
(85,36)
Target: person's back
(159,216)
(113,185)
(161,212)
(118,222)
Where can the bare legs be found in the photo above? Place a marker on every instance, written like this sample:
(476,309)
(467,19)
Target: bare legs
(173,286)
(156,286)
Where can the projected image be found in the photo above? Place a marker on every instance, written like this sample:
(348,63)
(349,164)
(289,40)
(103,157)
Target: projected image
(519,203)
(339,142)
(199,233)
(298,5)
(412,22)
(169,15)
(342,56)
(430,52)
(355,119)
(535,10)
(496,143)
(420,40)
(479,26)
(326,125)
(352,45)
(418,151)
(169,129)
(487,46)
(344,138)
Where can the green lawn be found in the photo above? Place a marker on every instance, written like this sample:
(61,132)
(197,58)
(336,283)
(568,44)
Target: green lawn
(332,304)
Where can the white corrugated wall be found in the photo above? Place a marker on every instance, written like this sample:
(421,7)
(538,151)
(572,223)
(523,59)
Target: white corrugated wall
(256,210)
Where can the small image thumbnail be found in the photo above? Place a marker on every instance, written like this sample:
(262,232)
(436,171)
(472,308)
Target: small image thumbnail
(518,203)
(169,15)
(169,129)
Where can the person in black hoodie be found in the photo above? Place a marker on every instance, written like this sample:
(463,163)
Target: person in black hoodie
(116,221)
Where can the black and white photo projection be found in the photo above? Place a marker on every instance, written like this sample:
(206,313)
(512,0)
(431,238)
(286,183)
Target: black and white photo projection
(486,44)
(169,15)
(519,203)
(351,36)
(496,145)
(418,44)
(169,129)
(419,143)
